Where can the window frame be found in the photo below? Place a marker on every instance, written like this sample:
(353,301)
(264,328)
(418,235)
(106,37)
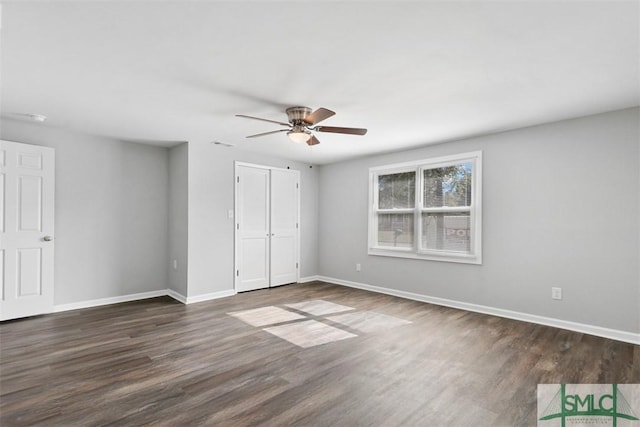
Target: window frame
(418,167)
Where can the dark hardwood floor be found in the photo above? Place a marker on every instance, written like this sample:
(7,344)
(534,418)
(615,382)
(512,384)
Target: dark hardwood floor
(158,362)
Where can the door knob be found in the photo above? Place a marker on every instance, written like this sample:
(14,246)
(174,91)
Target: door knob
(47,238)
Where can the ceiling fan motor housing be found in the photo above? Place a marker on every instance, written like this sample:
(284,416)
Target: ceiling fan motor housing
(297,114)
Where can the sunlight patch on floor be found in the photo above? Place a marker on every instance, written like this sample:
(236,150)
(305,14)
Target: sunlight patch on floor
(319,307)
(266,316)
(311,330)
(309,333)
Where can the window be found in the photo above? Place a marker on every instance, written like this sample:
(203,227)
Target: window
(428,209)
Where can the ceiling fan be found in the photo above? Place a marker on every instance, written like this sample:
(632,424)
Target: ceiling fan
(302,122)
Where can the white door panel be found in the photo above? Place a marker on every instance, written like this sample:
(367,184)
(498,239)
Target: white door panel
(284,199)
(26,217)
(252,228)
(254,212)
(284,220)
(29,276)
(283,265)
(254,274)
(2,197)
(29,203)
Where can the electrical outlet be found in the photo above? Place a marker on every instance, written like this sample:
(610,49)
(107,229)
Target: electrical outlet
(556,293)
(358,267)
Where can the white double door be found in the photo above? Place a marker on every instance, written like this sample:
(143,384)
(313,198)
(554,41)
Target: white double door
(267,227)
(26,229)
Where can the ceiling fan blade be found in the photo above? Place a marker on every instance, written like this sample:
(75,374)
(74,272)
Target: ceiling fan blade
(334,129)
(313,141)
(263,120)
(268,133)
(319,115)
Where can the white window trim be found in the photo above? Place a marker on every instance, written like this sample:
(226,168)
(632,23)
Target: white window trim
(475,256)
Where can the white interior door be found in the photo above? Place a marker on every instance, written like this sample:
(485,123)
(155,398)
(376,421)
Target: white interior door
(252,228)
(266,227)
(284,226)
(26,229)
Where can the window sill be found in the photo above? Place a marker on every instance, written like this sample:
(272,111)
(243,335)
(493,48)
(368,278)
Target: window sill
(444,257)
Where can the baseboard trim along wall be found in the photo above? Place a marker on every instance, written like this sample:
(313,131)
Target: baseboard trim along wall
(109,300)
(613,334)
(308,279)
(176,296)
(143,295)
(213,295)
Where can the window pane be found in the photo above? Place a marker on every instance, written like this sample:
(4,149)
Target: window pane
(448,186)
(446,231)
(397,190)
(395,230)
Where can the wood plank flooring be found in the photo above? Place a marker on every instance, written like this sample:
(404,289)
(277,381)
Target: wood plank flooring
(158,362)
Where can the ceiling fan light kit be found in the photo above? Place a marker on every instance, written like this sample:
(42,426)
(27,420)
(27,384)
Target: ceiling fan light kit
(301,122)
(299,135)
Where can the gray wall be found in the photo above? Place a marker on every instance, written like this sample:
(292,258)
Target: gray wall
(211,234)
(561,208)
(178,226)
(125,211)
(111,213)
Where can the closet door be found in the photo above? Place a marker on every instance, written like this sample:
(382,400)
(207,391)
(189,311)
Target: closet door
(284,227)
(252,228)
(267,238)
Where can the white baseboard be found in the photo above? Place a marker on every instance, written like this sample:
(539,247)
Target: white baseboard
(176,296)
(613,334)
(107,301)
(308,279)
(144,295)
(212,295)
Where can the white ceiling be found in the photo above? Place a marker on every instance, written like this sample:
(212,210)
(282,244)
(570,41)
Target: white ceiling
(413,73)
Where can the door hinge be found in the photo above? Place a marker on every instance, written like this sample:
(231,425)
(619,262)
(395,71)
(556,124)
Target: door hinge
(237,179)
(237,226)
(296,225)
(296,265)
(237,273)
(297,185)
